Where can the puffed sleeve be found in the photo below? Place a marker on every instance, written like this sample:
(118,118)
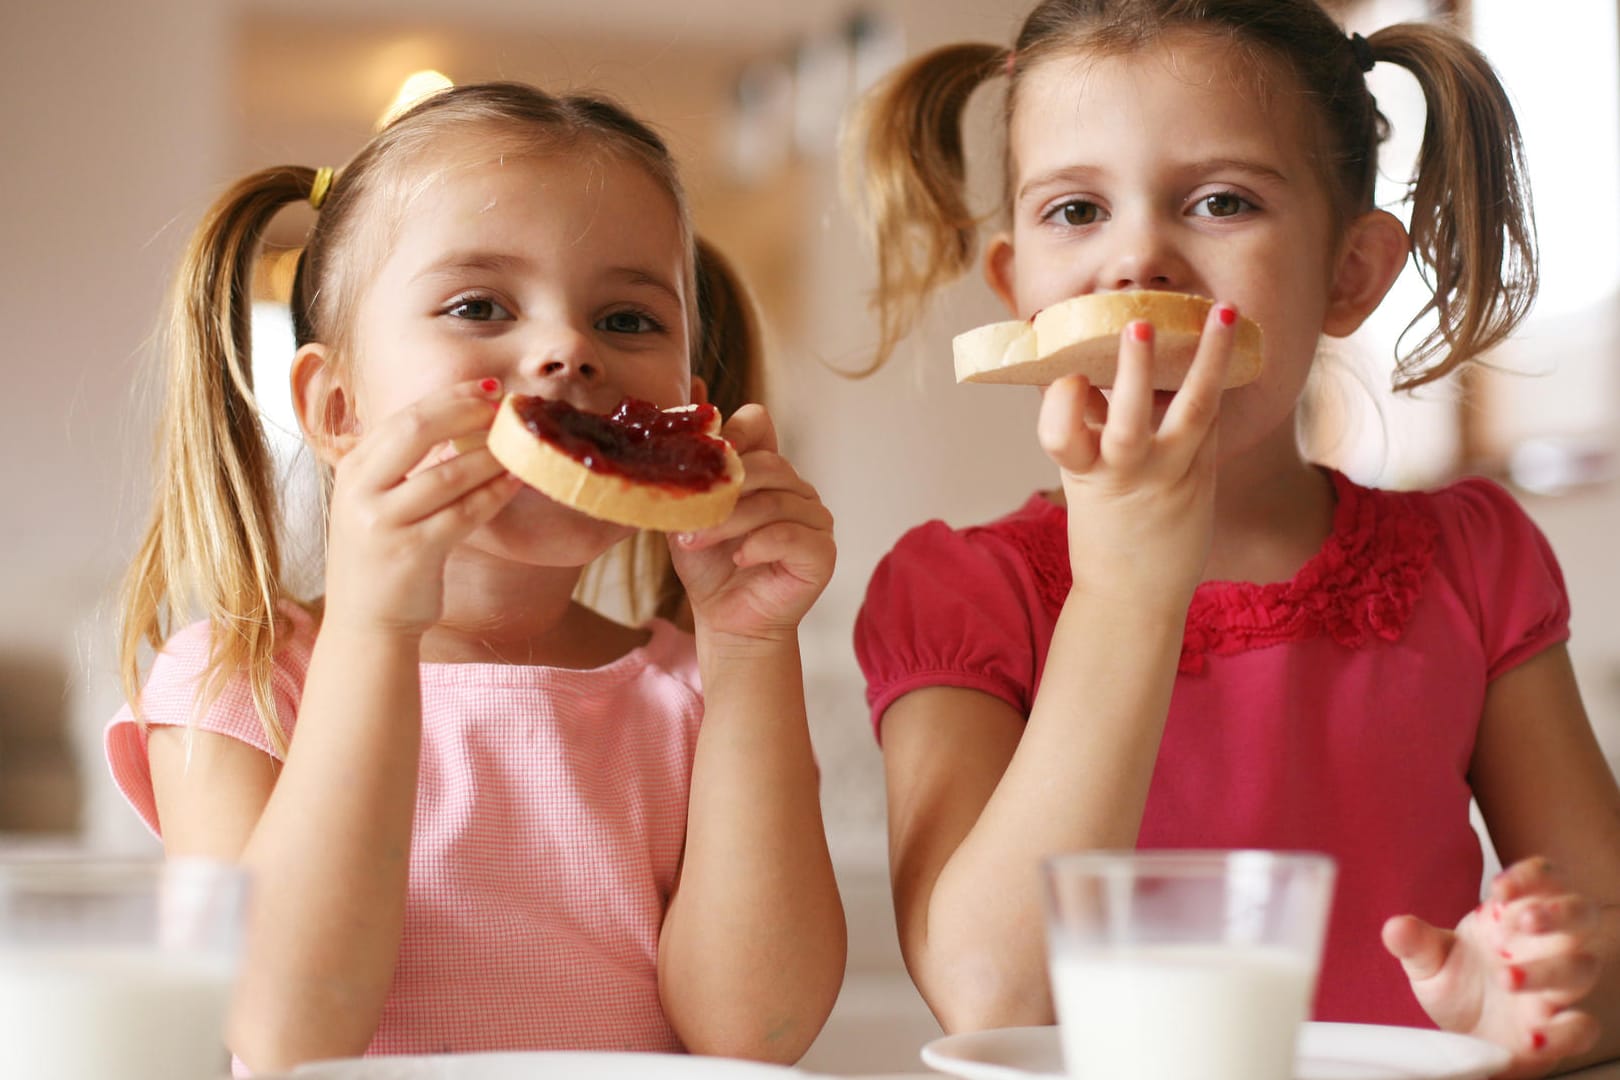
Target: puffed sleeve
(947,608)
(170,699)
(1523,605)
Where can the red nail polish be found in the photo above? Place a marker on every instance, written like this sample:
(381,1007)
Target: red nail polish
(1227,315)
(1538,1040)
(1515,976)
(1142,331)
(489,386)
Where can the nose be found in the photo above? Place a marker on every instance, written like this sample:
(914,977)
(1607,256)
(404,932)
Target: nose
(1143,255)
(565,354)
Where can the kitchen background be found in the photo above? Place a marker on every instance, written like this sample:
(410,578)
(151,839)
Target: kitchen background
(122,120)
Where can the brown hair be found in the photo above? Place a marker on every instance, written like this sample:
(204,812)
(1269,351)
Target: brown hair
(1473,236)
(210,549)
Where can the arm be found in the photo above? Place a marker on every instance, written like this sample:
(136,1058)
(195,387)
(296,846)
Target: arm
(327,841)
(978,798)
(751,955)
(1553,810)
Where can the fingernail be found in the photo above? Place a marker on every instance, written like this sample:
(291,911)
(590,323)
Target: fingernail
(1515,977)
(1227,315)
(1142,331)
(489,386)
(1538,1040)
(685,539)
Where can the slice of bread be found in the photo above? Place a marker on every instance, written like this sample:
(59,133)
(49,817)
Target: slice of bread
(1081,335)
(612,496)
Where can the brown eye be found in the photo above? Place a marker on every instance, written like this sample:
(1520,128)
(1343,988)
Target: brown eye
(1224,204)
(1079,213)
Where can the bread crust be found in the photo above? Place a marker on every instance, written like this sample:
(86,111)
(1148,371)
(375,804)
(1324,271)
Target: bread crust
(1081,336)
(609,496)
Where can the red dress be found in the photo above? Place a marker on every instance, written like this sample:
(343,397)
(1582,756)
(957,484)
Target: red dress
(1335,712)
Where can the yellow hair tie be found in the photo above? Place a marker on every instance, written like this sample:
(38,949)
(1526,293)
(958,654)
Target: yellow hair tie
(322,185)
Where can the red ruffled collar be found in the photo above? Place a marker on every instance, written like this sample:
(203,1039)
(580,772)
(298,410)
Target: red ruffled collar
(1360,587)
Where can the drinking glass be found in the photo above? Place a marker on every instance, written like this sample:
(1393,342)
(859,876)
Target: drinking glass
(117,969)
(1169,965)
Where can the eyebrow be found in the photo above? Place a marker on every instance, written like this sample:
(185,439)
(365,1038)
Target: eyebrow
(1070,173)
(498,262)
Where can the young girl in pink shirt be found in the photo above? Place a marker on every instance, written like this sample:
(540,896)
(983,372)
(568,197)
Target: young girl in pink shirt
(479,815)
(1201,639)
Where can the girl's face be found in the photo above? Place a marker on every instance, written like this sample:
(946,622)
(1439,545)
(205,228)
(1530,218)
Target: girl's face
(562,275)
(1168,169)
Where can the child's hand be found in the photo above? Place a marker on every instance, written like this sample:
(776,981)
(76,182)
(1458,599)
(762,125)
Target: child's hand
(402,499)
(1512,970)
(754,576)
(1140,501)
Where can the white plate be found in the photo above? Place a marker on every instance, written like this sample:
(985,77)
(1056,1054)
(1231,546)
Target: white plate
(1326,1052)
(542,1065)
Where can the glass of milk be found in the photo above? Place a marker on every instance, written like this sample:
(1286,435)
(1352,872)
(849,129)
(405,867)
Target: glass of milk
(1167,965)
(117,969)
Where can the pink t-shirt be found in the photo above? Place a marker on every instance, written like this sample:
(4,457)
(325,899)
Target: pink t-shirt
(550,819)
(1335,712)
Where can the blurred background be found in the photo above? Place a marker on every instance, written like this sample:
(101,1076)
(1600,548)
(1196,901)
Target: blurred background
(122,121)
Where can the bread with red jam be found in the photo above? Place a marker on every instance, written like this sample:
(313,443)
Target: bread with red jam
(1081,336)
(662,469)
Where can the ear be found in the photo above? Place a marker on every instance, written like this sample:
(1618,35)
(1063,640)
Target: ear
(1371,255)
(700,391)
(324,405)
(998,271)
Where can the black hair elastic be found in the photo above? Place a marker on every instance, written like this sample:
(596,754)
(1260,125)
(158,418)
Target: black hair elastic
(1363,50)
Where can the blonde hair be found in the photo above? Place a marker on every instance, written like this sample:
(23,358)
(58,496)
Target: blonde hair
(1473,235)
(210,549)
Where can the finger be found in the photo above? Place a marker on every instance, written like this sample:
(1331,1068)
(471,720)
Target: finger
(1566,914)
(761,510)
(1128,435)
(1568,1033)
(1197,403)
(750,428)
(766,470)
(1564,978)
(1421,948)
(475,509)
(805,553)
(1526,876)
(1061,428)
(432,489)
(403,439)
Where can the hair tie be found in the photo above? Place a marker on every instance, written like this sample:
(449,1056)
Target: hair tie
(1363,52)
(321,185)
(1011,61)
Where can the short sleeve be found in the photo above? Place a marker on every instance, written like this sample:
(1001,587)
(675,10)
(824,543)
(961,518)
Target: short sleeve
(947,608)
(1523,605)
(170,698)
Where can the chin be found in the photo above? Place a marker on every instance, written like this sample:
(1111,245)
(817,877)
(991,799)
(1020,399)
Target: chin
(540,531)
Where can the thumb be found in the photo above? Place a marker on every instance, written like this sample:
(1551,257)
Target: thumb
(1421,948)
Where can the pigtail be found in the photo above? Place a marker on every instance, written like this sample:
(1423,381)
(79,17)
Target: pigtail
(906,138)
(1473,231)
(211,547)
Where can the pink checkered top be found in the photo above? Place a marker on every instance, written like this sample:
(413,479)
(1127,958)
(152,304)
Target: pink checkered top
(550,818)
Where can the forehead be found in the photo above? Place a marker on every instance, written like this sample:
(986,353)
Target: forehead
(573,199)
(1185,94)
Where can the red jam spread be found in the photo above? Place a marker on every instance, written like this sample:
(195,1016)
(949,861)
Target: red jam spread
(637,440)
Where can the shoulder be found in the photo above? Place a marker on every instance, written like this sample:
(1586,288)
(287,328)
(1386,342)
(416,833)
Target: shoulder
(670,655)
(1498,564)
(179,687)
(1011,546)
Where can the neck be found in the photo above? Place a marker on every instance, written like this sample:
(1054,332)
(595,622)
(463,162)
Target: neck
(498,611)
(1273,510)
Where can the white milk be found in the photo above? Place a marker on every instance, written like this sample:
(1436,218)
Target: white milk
(112,1014)
(1180,1012)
